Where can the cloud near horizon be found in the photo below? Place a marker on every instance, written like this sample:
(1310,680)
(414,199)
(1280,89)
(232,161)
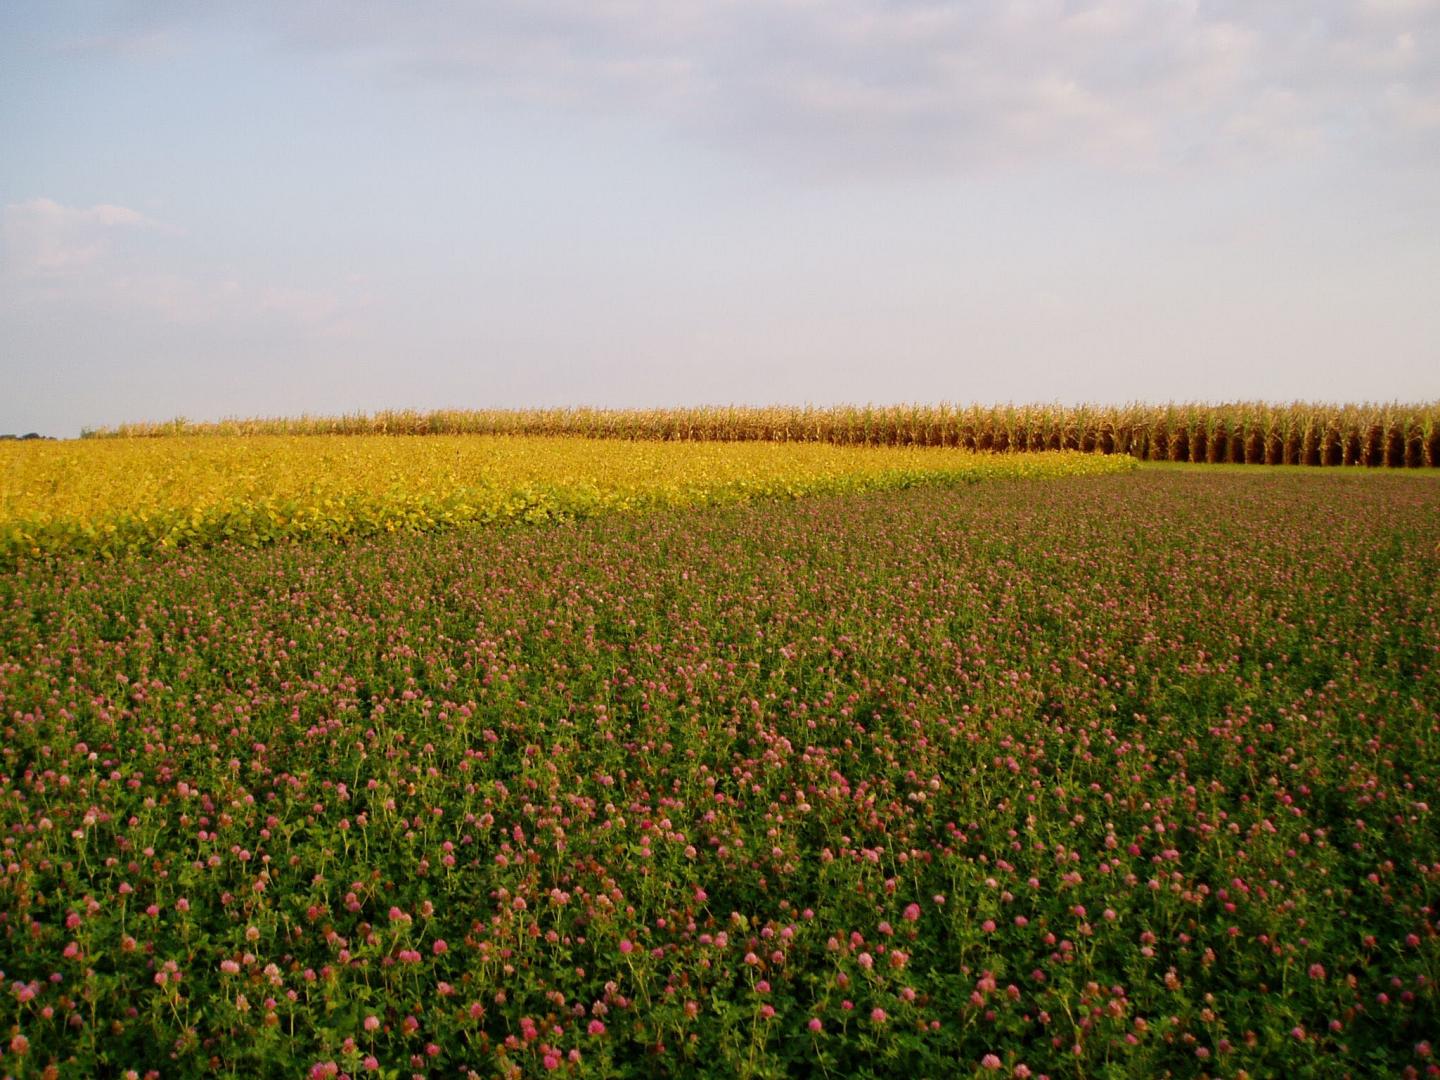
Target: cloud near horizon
(40,238)
(74,256)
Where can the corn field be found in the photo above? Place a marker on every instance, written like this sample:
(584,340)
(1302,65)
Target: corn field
(1397,436)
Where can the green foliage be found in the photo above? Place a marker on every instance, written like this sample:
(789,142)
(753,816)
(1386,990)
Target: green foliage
(1121,776)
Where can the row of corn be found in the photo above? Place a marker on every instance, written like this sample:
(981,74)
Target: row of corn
(1253,433)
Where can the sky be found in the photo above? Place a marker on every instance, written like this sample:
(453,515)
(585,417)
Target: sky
(319,206)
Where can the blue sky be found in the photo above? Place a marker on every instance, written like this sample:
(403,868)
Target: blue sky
(320,206)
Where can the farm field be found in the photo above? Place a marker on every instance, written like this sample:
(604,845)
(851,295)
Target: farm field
(1244,432)
(1124,775)
(112,496)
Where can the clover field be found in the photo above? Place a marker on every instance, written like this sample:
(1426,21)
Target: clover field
(1110,776)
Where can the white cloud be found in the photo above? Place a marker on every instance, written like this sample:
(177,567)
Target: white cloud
(1275,120)
(858,85)
(1414,111)
(43,238)
(53,253)
(1398,9)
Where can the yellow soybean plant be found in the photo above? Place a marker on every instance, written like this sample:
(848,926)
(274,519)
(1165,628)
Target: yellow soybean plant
(111,496)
